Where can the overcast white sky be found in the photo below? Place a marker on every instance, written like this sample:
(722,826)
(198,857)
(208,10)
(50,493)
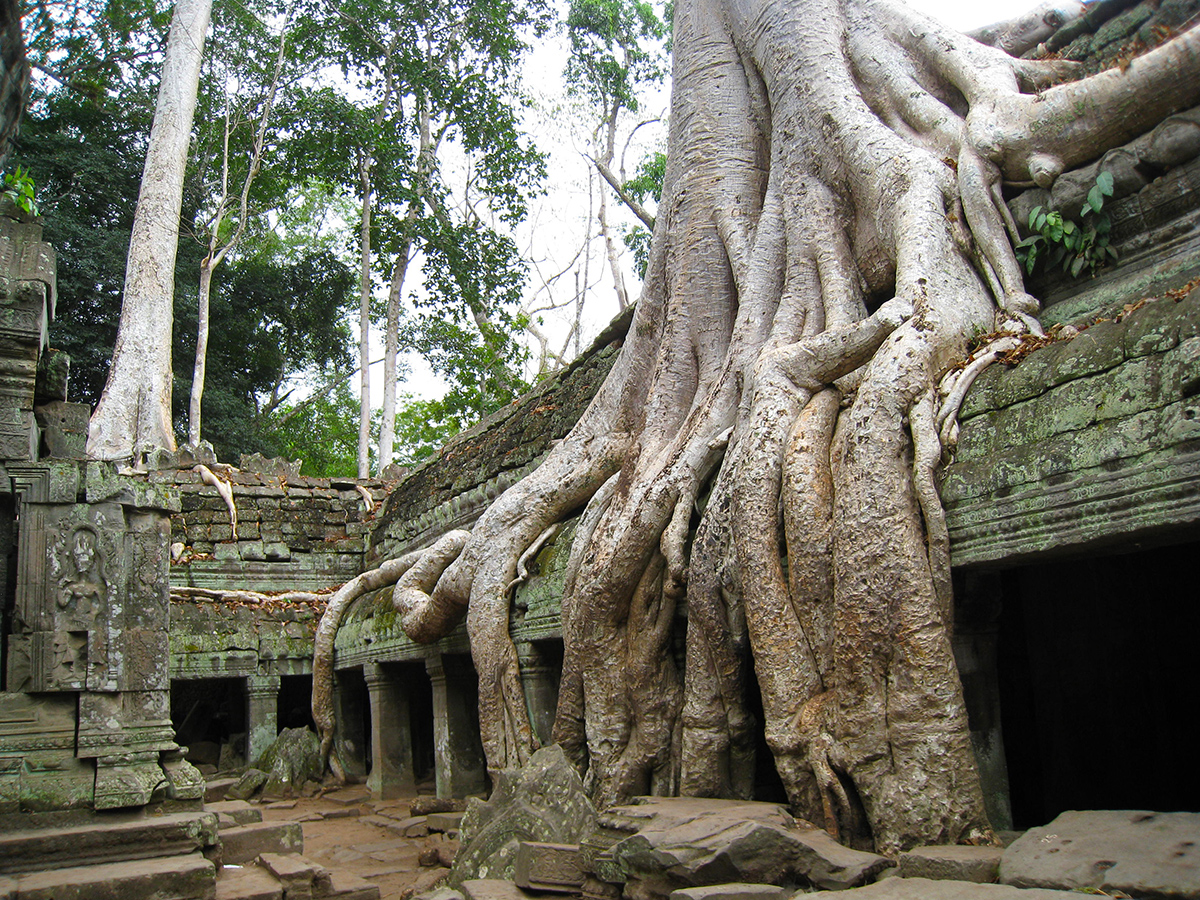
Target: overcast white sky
(555,231)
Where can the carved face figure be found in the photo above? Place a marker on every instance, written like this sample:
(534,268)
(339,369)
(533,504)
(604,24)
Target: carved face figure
(83,551)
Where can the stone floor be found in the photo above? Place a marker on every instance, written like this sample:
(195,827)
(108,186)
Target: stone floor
(376,840)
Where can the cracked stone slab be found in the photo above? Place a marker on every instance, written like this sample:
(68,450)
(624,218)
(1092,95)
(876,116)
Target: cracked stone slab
(897,888)
(1145,854)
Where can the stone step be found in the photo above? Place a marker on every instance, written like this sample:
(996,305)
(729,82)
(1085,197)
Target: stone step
(106,837)
(188,877)
(243,843)
(247,883)
(234,812)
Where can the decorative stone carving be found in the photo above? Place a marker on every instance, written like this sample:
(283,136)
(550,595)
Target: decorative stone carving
(77,621)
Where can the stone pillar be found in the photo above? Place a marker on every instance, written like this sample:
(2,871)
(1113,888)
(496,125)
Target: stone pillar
(262,715)
(976,633)
(541,691)
(458,752)
(349,737)
(391,734)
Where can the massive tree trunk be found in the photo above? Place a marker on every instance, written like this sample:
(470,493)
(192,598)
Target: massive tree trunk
(831,234)
(134,413)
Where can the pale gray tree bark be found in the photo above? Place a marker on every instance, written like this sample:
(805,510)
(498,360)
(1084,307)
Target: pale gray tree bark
(831,234)
(134,412)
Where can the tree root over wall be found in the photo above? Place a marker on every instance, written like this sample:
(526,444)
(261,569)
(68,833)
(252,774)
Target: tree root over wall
(831,234)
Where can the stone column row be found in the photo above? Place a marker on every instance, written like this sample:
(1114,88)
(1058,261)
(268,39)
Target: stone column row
(460,767)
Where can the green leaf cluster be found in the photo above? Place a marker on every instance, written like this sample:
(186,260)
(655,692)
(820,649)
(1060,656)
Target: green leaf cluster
(646,184)
(19,188)
(1073,245)
(613,50)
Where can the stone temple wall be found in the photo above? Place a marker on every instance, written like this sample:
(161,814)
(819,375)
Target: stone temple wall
(294,533)
(84,710)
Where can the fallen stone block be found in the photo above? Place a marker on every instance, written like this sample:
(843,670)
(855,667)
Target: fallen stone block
(548,867)
(234,812)
(687,842)
(247,786)
(595,889)
(492,889)
(952,863)
(302,879)
(928,889)
(423,806)
(445,822)
(731,892)
(245,843)
(542,801)
(1144,854)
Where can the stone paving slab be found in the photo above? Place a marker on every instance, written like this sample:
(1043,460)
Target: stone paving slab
(736,891)
(346,886)
(1144,854)
(897,888)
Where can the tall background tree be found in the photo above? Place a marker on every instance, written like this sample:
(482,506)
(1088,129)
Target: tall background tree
(441,170)
(134,412)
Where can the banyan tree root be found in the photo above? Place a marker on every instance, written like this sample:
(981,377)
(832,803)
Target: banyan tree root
(225,489)
(385,574)
(832,232)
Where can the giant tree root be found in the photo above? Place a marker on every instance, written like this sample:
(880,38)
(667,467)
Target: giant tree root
(832,232)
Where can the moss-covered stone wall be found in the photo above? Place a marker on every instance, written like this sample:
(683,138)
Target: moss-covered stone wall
(1086,443)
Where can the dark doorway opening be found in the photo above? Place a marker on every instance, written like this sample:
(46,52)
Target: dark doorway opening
(208,714)
(295,702)
(1099,685)
(420,716)
(768,786)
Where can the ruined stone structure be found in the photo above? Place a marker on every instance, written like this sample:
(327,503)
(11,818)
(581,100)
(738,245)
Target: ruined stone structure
(1072,501)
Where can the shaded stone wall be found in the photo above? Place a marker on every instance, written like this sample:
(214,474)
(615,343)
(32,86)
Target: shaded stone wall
(1086,443)
(294,533)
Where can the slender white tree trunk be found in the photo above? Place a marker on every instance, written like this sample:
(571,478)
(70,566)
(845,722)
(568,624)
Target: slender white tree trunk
(391,347)
(134,413)
(364,323)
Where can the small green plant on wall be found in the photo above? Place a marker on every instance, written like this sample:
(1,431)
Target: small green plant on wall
(1060,241)
(19,188)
